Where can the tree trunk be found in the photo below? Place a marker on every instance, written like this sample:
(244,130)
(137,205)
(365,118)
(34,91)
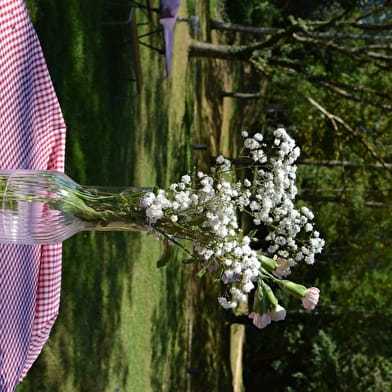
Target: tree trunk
(225,52)
(240,52)
(262,31)
(217,25)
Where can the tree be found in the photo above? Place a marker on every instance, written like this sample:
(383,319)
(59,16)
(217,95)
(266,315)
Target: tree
(329,68)
(346,58)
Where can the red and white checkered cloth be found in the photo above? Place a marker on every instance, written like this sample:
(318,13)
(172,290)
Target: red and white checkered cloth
(32,136)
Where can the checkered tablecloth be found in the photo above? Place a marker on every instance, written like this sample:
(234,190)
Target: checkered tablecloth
(32,136)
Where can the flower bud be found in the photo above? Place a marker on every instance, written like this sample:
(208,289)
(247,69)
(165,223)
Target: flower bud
(272,301)
(267,262)
(260,321)
(297,290)
(311,298)
(282,269)
(278,313)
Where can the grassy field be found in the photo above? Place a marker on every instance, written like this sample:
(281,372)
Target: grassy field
(123,323)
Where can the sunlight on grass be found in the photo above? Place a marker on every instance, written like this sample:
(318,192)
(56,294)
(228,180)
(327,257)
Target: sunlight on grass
(123,323)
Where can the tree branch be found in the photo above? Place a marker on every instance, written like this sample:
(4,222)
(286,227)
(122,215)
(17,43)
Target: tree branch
(360,89)
(218,25)
(336,121)
(338,89)
(379,56)
(366,26)
(337,199)
(263,31)
(337,163)
(231,94)
(348,51)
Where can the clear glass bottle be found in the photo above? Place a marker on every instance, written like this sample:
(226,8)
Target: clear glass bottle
(43,207)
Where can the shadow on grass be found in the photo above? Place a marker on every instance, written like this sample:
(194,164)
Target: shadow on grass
(95,269)
(87,64)
(203,363)
(170,334)
(90,67)
(211,340)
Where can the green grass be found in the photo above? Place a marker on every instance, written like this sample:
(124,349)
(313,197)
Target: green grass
(123,323)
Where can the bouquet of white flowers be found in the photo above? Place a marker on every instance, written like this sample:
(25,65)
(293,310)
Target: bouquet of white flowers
(206,209)
(201,214)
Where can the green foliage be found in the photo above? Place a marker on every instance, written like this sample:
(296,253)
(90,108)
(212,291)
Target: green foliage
(250,12)
(364,373)
(279,12)
(32,7)
(337,106)
(329,368)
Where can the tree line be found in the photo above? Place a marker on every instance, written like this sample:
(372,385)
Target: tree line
(327,66)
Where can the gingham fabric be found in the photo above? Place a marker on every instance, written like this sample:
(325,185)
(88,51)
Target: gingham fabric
(32,136)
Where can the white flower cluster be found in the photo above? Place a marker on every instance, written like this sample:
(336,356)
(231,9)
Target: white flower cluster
(205,209)
(273,203)
(241,269)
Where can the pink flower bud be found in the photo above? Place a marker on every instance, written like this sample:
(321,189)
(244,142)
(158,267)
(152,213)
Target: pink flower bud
(278,313)
(311,298)
(260,321)
(282,268)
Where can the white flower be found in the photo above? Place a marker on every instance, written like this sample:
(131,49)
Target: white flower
(311,298)
(227,304)
(247,183)
(260,321)
(309,259)
(237,267)
(246,240)
(147,200)
(259,156)
(186,179)
(248,286)
(278,313)
(254,206)
(154,213)
(228,246)
(251,144)
(220,159)
(238,252)
(258,137)
(309,214)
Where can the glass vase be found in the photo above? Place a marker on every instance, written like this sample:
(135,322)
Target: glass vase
(44,207)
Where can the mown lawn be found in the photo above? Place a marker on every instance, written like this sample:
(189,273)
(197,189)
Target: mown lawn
(123,323)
